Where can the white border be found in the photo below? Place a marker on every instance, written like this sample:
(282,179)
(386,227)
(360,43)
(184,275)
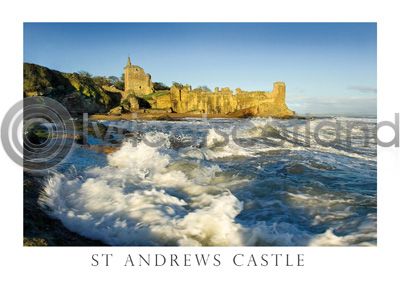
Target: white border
(323,265)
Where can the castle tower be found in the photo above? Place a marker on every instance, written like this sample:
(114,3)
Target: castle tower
(280,91)
(137,81)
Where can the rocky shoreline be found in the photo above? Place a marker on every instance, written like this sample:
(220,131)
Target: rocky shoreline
(39,228)
(165,116)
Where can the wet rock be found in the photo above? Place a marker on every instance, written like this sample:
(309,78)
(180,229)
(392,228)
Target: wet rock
(116,111)
(39,228)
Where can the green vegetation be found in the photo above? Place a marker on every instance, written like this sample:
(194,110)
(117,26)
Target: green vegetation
(119,82)
(42,79)
(202,88)
(160,86)
(177,85)
(126,104)
(102,80)
(83,73)
(79,92)
(156,94)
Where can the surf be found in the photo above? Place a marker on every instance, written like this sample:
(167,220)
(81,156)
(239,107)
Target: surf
(199,183)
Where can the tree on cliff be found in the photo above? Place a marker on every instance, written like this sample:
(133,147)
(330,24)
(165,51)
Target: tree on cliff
(101,80)
(160,86)
(202,88)
(85,74)
(177,85)
(113,79)
(118,82)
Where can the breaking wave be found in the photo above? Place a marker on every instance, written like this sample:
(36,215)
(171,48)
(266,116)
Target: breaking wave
(252,187)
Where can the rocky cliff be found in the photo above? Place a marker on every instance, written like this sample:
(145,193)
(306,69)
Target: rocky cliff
(78,93)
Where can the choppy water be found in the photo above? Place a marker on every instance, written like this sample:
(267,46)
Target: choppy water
(223,182)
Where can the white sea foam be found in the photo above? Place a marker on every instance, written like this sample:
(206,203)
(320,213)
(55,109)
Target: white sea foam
(217,146)
(154,193)
(329,238)
(141,197)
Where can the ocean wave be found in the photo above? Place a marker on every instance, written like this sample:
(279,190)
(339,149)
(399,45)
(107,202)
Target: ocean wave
(365,235)
(205,184)
(140,198)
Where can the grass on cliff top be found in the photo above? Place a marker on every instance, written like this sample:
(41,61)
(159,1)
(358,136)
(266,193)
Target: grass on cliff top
(156,94)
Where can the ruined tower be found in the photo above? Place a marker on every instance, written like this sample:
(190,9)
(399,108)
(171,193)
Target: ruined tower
(137,81)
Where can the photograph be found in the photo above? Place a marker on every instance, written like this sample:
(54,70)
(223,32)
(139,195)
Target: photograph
(186,134)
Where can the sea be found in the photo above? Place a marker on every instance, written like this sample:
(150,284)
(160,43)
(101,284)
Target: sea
(222,182)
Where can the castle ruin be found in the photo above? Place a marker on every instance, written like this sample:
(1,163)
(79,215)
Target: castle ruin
(184,99)
(225,101)
(137,81)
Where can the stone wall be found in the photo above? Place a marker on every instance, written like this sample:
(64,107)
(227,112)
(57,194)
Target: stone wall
(224,101)
(137,81)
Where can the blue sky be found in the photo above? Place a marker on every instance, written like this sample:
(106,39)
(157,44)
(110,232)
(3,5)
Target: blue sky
(329,68)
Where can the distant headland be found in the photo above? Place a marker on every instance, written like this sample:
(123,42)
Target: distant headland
(135,93)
